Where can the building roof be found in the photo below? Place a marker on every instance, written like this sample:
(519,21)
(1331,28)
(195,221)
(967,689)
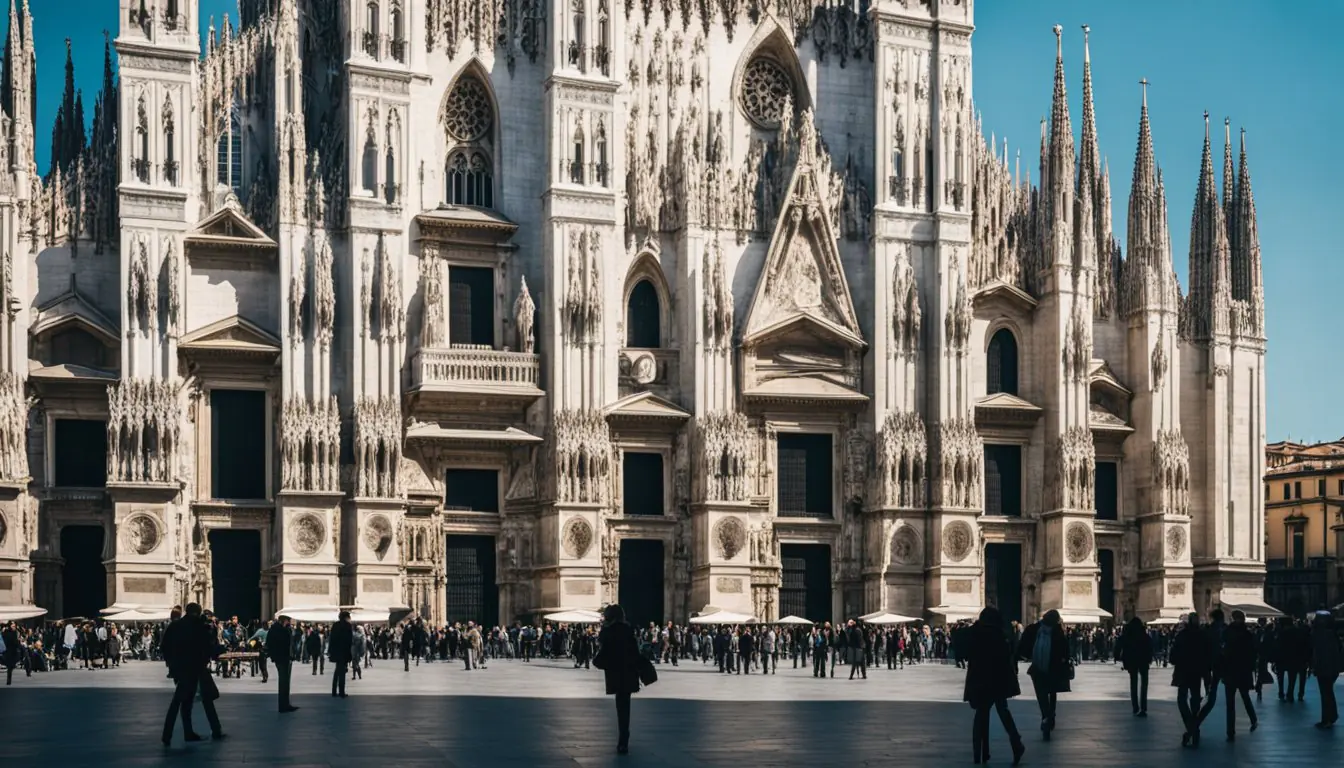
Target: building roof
(1287,457)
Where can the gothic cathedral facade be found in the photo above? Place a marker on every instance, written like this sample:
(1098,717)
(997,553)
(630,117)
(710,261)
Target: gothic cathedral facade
(483,308)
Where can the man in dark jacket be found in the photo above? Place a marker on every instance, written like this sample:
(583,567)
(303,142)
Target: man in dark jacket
(340,646)
(1189,657)
(187,646)
(1136,654)
(745,642)
(1239,653)
(312,648)
(1217,626)
(14,653)
(1046,646)
(279,646)
(854,640)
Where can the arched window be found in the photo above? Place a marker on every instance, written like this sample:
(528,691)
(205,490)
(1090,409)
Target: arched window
(398,36)
(600,174)
(576,162)
(576,44)
(1001,360)
(390,176)
(229,157)
(470,180)
(371,30)
(643,317)
(370,163)
(141,162)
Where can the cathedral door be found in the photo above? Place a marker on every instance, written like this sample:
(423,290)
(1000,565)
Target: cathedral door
(83,577)
(641,581)
(805,589)
(235,572)
(1003,579)
(473,594)
(1106,594)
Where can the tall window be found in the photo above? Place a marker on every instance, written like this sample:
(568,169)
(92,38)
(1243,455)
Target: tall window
(169,143)
(238,443)
(468,119)
(643,316)
(576,44)
(170,13)
(642,483)
(390,177)
(398,36)
(471,305)
(1320,487)
(1287,492)
(1299,537)
(1108,490)
(470,180)
(576,162)
(804,465)
(472,490)
(1297,489)
(1003,480)
(371,30)
(369,179)
(229,155)
(1001,359)
(80,453)
(600,156)
(141,163)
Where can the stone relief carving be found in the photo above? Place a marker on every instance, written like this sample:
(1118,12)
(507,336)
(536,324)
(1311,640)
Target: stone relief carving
(1077,542)
(307,534)
(583,286)
(906,314)
(378,441)
(506,28)
(141,533)
(144,429)
(718,299)
(1175,542)
(1077,354)
(730,537)
(960,468)
(577,537)
(378,535)
(1073,469)
(906,548)
(1159,365)
(958,538)
(310,444)
(957,323)
(1175,588)
(14,408)
(524,315)
(722,453)
(433,326)
(1171,469)
(902,450)
(581,447)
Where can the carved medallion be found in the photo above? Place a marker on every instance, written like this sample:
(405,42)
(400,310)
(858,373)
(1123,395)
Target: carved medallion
(1077,542)
(1175,543)
(730,536)
(577,538)
(767,91)
(306,534)
(378,534)
(905,549)
(140,534)
(957,540)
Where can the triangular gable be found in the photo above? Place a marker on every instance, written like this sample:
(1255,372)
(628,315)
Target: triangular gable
(228,226)
(72,307)
(645,405)
(803,275)
(1103,375)
(232,333)
(1007,401)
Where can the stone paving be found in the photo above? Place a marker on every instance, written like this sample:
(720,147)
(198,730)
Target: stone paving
(546,714)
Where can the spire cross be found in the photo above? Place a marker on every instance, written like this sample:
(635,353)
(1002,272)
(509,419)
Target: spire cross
(1144,82)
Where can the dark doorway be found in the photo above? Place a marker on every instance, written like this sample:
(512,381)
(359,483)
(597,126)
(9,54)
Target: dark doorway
(642,483)
(471,305)
(472,592)
(642,317)
(238,443)
(1003,480)
(235,570)
(805,588)
(641,588)
(80,458)
(1108,490)
(83,577)
(805,475)
(1106,597)
(472,490)
(1003,579)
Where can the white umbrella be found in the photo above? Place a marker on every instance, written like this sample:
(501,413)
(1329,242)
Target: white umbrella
(883,617)
(360,615)
(799,620)
(1164,621)
(311,613)
(574,617)
(142,613)
(20,612)
(724,617)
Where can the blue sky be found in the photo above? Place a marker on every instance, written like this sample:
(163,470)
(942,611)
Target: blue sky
(1229,57)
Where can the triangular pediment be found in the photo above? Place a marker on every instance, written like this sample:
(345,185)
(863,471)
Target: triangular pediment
(645,405)
(236,334)
(1103,375)
(72,307)
(803,276)
(229,226)
(805,330)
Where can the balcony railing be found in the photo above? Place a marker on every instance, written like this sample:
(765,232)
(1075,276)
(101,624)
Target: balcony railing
(472,367)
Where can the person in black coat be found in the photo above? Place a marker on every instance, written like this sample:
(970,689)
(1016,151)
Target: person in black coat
(1239,654)
(745,642)
(991,679)
(13,653)
(279,647)
(312,648)
(1190,655)
(187,647)
(618,658)
(1046,647)
(340,647)
(1136,656)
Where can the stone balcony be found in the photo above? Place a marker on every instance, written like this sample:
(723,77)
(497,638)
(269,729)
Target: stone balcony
(476,375)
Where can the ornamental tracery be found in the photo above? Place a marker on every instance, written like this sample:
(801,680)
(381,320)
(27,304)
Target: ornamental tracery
(767,92)
(467,115)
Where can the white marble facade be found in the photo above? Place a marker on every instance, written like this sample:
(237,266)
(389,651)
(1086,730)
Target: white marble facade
(688,235)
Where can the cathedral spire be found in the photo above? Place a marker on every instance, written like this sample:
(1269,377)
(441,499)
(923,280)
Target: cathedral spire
(1149,259)
(1089,163)
(1247,281)
(1059,186)
(1209,288)
(13,59)
(1229,181)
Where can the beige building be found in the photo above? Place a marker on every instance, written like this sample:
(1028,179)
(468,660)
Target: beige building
(1304,526)
(484,308)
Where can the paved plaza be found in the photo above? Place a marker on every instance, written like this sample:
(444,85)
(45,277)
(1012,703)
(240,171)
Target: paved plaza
(546,714)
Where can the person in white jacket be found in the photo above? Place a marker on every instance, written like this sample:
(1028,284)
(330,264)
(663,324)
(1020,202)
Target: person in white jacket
(68,643)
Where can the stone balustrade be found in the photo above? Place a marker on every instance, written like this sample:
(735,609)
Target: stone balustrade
(470,366)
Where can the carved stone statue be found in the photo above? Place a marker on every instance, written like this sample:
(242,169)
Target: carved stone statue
(524,312)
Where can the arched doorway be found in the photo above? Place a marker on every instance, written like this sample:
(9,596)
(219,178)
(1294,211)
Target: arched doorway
(643,317)
(1001,363)
(83,577)
(235,572)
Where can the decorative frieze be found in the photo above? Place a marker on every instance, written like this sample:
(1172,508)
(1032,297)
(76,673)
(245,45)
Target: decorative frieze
(583,286)
(717,300)
(1171,473)
(378,442)
(902,451)
(310,434)
(581,457)
(144,429)
(960,468)
(906,313)
(723,445)
(14,405)
(1071,472)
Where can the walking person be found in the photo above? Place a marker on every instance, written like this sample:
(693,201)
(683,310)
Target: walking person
(341,649)
(1325,661)
(1189,658)
(312,647)
(618,658)
(258,643)
(1215,629)
(186,647)
(854,642)
(11,652)
(359,647)
(279,646)
(1136,656)
(1045,645)
(1239,654)
(991,679)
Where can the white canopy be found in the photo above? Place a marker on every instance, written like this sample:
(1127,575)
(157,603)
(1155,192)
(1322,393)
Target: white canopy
(1082,618)
(20,612)
(141,613)
(117,608)
(576,616)
(799,620)
(883,617)
(724,617)
(330,614)
(1164,621)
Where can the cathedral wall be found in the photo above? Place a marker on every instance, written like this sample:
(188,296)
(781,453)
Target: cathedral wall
(219,291)
(99,278)
(1195,394)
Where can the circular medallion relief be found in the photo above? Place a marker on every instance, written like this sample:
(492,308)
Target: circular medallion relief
(1077,542)
(140,533)
(306,534)
(905,549)
(378,534)
(730,536)
(767,91)
(957,540)
(1175,543)
(467,115)
(577,537)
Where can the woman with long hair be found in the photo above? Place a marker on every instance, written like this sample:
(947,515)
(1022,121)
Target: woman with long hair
(1045,645)
(618,658)
(991,679)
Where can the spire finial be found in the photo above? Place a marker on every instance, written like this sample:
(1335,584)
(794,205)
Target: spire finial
(1206,125)
(1059,41)
(1144,82)
(1087,57)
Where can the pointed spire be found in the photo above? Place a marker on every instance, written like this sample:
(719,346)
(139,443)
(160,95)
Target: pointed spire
(1247,281)
(1229,179)
(1059,164)
(1209,278)
(1149,260)
(1088,154)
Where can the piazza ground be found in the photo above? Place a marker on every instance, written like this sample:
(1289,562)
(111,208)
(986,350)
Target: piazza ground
(546,714)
